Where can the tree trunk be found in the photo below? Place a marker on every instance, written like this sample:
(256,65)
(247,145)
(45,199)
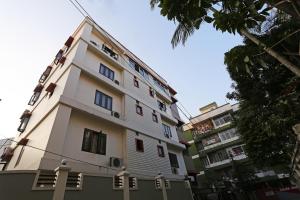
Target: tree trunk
(277,56)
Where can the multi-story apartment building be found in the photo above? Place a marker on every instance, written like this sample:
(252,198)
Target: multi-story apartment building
(215,141)
(218,154)
(100,107)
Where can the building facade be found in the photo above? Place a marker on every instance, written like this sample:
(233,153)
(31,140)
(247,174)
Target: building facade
(214,140)
(221,162)
(100,107)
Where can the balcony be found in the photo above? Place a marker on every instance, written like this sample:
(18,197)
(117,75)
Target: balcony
(226,161)
(200,135)
(220,145)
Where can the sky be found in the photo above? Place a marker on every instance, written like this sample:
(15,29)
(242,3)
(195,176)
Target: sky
(32,32)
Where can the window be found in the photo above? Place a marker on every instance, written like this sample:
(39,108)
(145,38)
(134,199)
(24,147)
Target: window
(45,75)
(109,52)
(211,140)
(131,63)
(103,100)
(136,82)
(139,145)
(24,120)
(218,156)
(228,134)
(69,42)
(58,56)
(154,117)
(105,71)
(151,92)
(222,120)
(50,89)
(139,110)
(62,60)
(236,151)
(162,106)
(160,151)
(167,131)
(137,68)
(173,160)
(94,142)
(37,91)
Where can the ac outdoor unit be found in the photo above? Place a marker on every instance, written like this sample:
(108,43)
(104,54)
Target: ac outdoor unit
(116,162)
(117,82)
(115,114)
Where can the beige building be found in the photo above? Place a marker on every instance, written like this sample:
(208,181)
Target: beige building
(100,107)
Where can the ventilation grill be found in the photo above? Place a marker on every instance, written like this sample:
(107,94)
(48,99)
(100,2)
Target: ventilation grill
(74,180)
(118,182)
(158,183)
(132,182)
(167,184)
(46,179)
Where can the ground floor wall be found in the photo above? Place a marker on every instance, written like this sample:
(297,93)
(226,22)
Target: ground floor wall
(20,185)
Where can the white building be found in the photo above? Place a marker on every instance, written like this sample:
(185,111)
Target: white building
(100,107)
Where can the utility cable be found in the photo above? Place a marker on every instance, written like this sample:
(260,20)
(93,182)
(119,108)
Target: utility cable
(75,159)
(127,62)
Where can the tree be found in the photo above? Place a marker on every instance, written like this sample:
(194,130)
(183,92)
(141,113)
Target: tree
(269,96)
(232,16)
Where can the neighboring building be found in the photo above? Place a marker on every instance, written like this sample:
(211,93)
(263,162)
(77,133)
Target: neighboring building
(101,108)
(4,144)
(221,162)
(214,140)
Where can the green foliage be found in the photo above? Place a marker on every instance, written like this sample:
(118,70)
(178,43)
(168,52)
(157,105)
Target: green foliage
(230,16)
(268,95)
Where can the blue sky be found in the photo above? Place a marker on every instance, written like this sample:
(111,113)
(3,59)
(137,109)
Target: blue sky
(32,32)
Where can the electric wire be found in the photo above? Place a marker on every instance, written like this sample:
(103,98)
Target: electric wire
(127,62)
(76,7)
(78,160)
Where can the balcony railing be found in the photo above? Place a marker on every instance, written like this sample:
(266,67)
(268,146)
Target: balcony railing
(226,161)
(222,142)
(198,135)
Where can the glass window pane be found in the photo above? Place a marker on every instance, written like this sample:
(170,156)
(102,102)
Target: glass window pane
(97,98)
(109,103)
(103,100)
(86,143)
(93,143)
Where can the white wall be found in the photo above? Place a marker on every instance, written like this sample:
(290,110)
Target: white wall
(147,162)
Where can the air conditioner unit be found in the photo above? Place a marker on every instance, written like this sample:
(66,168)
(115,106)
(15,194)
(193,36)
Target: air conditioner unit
(115,114)
(117,82)
(116,162)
